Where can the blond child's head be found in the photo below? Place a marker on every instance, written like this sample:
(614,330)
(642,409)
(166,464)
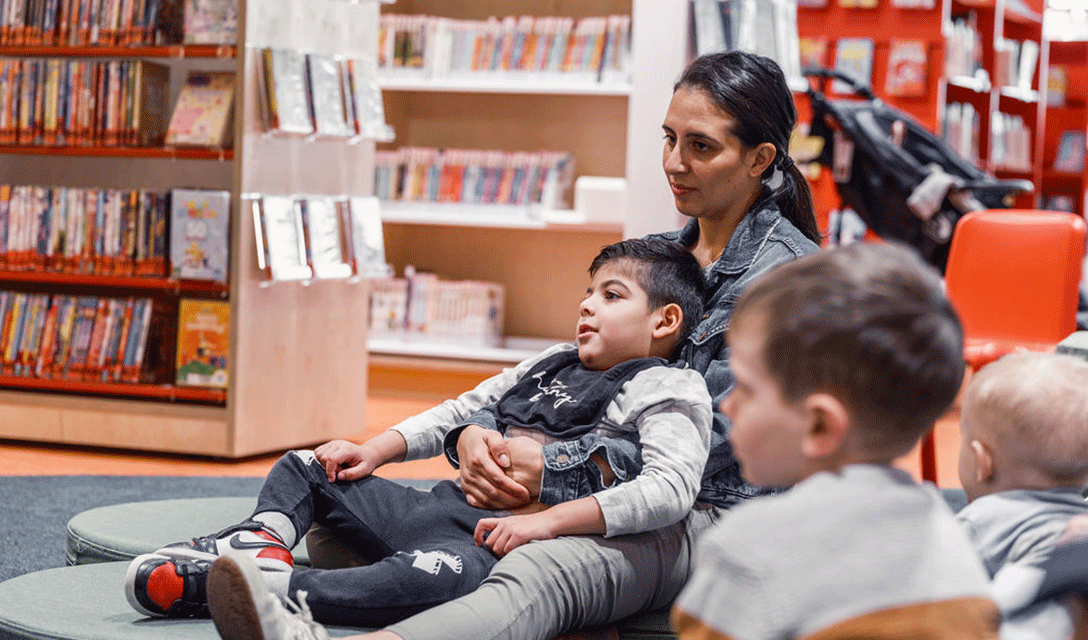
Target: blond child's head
(844,356)
(1024,425)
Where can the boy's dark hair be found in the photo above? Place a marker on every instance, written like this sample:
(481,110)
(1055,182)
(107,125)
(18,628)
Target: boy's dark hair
(665,270)
(870,324)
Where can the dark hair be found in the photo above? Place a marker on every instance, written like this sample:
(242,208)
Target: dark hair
(870,324)
(666,271)
(752,89)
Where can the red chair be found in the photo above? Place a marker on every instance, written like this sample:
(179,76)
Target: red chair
(1013,276)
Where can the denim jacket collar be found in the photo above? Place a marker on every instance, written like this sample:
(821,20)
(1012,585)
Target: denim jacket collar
(746,243)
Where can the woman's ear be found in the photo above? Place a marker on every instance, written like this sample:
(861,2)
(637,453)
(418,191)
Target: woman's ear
(984,462)
(829,423)
(762,157)
(669,319)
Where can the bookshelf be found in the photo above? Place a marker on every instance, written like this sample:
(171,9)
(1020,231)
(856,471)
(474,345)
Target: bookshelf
(1071,115)
(951,77)
(297,365)
(611,128)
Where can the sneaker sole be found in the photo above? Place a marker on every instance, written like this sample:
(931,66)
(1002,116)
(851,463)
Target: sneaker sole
(233,595)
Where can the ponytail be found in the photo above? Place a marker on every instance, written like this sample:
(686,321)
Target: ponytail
(794,200)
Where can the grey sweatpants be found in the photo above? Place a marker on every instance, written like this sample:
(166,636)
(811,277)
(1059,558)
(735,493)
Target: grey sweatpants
(549,587)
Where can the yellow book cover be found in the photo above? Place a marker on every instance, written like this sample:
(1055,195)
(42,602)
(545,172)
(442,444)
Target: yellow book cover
(203,343)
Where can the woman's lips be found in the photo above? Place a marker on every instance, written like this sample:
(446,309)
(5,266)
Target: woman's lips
(680,190)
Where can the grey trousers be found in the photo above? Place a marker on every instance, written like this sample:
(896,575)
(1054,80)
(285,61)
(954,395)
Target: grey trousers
(549,587)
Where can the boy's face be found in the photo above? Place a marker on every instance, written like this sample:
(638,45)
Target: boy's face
(768,431)
(615,322)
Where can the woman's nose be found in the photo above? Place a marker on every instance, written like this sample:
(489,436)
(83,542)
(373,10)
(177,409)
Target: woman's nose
(673,162)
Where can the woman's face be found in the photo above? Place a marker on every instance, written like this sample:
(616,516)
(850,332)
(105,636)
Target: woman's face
(712,174)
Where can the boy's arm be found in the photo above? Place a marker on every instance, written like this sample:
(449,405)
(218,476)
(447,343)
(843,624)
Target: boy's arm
(503,535)
(345,460)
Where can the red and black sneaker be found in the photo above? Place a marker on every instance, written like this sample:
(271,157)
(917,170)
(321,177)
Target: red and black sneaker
(250,538)
(156,585)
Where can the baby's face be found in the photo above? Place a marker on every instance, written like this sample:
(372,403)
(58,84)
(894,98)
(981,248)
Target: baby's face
(615,323)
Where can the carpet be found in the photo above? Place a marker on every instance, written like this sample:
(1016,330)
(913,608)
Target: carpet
(34,510)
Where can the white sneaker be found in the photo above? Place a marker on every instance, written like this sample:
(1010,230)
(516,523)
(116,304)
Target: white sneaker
(243,608)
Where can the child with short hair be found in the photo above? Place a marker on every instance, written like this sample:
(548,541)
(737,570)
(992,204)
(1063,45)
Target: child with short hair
(427,547)
(843,360)
(1023,455)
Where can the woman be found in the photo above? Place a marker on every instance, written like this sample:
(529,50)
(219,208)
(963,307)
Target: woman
(727,131)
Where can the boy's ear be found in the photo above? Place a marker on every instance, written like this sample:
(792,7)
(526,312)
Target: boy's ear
(669,319)
(763,155)
(984,461)
(829,424)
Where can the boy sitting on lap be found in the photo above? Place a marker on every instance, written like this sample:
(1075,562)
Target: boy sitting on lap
(843,360)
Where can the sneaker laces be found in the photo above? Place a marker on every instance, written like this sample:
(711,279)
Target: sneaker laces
(295,621)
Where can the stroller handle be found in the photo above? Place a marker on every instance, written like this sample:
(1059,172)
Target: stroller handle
(998,187)
(860,88)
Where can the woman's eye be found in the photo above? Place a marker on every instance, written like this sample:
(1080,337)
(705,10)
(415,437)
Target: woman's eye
(700,146)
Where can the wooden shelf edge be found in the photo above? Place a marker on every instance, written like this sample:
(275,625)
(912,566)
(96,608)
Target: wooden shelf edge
(117,51)
(176,153)
(117,282)
(170,393)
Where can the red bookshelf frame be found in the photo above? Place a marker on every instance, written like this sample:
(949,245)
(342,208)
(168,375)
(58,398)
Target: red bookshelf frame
(175,153)
(117,282)
(111,51)
(168,393)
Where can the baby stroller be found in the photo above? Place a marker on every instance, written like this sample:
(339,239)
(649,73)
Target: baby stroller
(900,178)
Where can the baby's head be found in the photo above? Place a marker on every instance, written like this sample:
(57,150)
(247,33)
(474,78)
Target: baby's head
(844,356)
(644,297)
(1024,425)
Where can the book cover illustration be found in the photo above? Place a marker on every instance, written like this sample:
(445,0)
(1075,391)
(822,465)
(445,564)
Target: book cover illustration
(282,237)
(211,21)
(203,343)
(326,241)
(1057,82)
(854,57)
(288,99)
(327,96)
(1070,155)
(813,51)
(199,234)
(202,114)
(907,68)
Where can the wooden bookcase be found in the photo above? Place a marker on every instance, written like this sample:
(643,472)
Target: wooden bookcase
(612,131)
(298,353)
(995,19)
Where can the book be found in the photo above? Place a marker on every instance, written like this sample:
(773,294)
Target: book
(1070,155)
(149,116)
(326,240)
(287,101)
(199,234)
(327,99)
(854,57)
(1057,82)
(132,362)
(202,115)
(281,242)
(203,343)
(211,21)
(907,68)
(813,51)
(367,243)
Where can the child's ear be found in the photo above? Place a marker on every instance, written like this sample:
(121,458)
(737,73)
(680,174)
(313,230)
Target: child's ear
(984,461)
(829,423)
(763,155)
(669,319)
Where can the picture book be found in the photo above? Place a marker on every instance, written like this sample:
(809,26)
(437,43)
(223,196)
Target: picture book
(907,68)
(854,57)
(288,104)
(327,96)
(211,21)
(1070,155)
(199,234)
(326,240)
(202,114)
(813,50)
(203,343)
(282,250)
(1057,82)
(367,243)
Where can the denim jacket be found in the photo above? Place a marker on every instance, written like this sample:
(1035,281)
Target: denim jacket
(762,240)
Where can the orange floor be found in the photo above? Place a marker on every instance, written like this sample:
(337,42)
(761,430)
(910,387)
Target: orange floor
(17,458)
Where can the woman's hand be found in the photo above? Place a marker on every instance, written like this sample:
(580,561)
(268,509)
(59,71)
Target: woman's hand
(348,461)
(526,463)
(503,535)
(485,462)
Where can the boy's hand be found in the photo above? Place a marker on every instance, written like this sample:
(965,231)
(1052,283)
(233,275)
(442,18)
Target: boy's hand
(345,460)
(503,535)
(484,457)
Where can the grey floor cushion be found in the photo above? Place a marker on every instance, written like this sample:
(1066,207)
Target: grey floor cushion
(88,603)
(124,531)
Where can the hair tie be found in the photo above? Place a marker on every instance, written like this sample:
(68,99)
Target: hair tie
(786,162)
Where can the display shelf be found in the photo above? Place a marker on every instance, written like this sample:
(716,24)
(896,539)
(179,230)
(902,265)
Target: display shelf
(1071,116)
(505,84)
(167,393)
(167,153)
(135,283)
(137,51)
(490,215)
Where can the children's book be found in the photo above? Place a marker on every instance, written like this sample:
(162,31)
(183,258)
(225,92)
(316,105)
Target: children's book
(907,68)
(367,243)
(1057,82)
(281,244)
(813,50)
(211,21)
(203,343)
(199,234)
(202,114)
(326,91)
(853,56)
(288,103)
(1070,155)
(326,240)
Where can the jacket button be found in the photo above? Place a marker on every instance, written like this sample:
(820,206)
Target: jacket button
(562,458)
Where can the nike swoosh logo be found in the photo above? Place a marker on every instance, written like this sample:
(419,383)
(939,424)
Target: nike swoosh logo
(236,542)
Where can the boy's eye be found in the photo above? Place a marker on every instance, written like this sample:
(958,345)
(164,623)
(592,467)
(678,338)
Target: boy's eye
(611,295)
